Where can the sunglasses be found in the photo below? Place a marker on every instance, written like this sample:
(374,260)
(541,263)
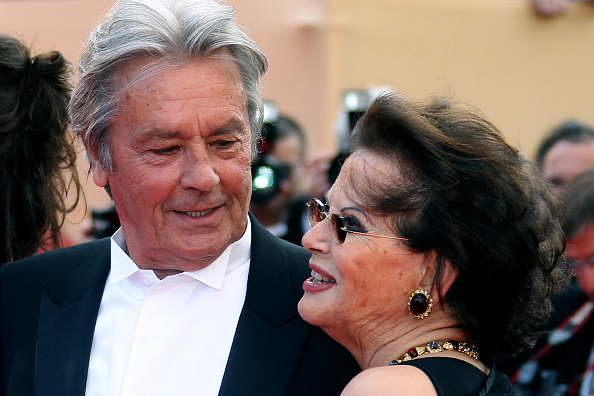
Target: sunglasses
(318,211)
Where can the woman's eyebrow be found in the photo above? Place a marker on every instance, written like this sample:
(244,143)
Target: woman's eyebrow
(353,208)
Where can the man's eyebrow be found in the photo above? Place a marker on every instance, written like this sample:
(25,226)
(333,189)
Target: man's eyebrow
(231,126)
(162,134)
(151,134)
(148,134)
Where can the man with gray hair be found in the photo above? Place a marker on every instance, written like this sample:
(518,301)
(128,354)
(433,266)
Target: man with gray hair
(191,295)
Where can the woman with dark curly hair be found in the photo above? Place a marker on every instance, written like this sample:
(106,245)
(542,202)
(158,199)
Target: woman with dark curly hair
(436,252)
(37,155)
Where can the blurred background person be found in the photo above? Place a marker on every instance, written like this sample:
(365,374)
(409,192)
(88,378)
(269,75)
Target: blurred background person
(564,362)
(437,250)
(566,152)
(316,173)
(278,200)
(551,8)
(37,153)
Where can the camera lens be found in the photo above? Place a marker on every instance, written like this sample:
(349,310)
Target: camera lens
(267,174)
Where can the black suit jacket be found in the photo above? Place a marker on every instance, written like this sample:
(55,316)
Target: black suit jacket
(49,305)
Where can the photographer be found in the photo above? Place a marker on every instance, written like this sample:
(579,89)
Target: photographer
(354,104)
(277,198)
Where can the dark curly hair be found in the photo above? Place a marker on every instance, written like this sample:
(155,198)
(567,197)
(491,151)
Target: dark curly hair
(37,154)
(465,194)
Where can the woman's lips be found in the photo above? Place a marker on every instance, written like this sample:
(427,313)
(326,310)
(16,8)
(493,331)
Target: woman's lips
(319,281)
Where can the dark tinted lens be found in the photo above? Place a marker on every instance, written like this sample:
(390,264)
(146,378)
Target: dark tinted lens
(337,226)
(311,212)
(315,212)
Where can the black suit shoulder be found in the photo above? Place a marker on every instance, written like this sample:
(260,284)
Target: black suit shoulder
(48,271)
(58,260)
(62,275)
(42,326)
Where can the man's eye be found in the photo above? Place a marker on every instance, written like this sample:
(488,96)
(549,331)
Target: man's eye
(224,143)
(166,150)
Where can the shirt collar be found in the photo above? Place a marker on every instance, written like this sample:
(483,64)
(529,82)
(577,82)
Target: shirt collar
(236,254)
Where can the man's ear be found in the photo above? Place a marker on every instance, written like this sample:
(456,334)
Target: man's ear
(99,172)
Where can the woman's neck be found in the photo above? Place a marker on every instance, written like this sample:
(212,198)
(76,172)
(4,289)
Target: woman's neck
(379,345)
(382,355)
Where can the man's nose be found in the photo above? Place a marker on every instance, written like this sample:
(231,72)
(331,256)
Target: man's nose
(198,170)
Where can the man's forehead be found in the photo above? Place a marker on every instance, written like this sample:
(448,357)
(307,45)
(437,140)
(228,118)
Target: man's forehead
(150,69)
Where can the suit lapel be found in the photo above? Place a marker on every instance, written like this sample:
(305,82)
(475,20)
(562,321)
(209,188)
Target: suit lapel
(270,335)
(67,322)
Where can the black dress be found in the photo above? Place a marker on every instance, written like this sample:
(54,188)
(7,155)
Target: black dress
(455,377)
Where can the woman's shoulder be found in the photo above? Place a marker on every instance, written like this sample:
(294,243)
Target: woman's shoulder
(390,380)
(453,376)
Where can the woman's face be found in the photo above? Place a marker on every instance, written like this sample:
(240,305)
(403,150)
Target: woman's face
(580,249)
(366,280)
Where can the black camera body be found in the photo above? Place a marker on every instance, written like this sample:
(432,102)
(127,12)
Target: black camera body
(267,173)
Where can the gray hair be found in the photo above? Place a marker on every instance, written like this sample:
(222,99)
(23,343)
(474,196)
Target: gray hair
(170,31)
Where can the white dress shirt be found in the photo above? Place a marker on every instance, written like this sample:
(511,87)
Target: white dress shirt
(169,336)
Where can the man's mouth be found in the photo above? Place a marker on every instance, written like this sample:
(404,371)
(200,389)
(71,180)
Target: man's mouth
(198,214)
(318,279)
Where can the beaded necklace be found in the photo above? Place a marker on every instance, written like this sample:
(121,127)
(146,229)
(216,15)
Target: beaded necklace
(435,347)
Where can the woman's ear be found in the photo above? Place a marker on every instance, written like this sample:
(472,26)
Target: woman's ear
(448,275)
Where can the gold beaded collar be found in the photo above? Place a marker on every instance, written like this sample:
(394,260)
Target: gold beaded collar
(435,347)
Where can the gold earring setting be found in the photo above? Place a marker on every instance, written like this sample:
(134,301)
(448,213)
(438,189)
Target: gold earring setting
(420,303)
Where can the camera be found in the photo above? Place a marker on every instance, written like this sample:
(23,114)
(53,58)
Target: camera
(354,103)
(267,173)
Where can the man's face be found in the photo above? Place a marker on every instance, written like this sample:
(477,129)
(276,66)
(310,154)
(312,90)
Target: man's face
(181,151)
(580,251)
(565,160)
(287,150)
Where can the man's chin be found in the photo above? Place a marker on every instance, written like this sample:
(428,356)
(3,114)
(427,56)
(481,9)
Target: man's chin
(197,259)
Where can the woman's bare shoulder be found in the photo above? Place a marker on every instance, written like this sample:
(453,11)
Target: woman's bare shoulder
(390,380)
